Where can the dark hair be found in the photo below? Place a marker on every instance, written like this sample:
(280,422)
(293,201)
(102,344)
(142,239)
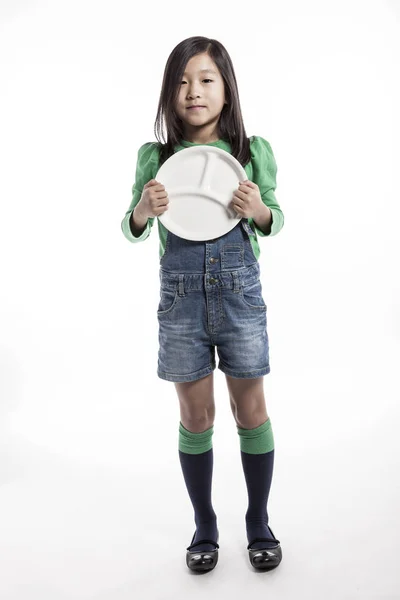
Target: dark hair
(230,123)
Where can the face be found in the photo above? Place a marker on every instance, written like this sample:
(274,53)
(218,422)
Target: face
(201,84)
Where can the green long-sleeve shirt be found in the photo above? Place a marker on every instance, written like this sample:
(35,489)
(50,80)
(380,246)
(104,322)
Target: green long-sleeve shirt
(261,170)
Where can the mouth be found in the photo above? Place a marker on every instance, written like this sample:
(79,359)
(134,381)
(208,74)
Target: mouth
(195,107)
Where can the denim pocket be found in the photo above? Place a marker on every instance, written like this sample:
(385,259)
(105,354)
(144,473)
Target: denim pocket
(251,294)
(232,256)
(168,299)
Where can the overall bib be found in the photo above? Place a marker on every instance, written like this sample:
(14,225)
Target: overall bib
(211,296)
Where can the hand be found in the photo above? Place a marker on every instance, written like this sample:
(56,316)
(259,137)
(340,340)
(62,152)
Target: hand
(247,199)
(153,201)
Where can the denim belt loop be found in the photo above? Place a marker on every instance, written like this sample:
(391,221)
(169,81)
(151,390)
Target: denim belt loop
(181,289)
(236,285)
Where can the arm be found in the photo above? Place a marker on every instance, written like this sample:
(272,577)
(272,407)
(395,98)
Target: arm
(270,219)
(134,227)
(137,223)
(263,220)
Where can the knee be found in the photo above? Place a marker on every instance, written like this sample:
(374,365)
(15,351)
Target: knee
(198,419)
(250,420)
(197,424)
(197,405)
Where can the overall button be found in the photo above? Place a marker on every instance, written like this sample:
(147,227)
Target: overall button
(212,280)
(213,260)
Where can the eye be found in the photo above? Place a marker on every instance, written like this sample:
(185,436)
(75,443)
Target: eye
(203,80)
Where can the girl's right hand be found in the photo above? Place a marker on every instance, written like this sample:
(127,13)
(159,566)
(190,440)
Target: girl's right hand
(154,200)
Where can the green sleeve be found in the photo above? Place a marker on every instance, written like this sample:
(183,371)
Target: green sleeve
(146,169)
(264,175)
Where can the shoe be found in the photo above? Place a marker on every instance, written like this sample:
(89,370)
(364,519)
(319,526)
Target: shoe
(201,561)
(265,558)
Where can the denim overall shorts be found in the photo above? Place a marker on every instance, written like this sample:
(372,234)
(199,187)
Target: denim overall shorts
(211,297)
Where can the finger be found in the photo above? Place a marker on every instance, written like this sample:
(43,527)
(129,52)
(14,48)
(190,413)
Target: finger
(157,187)
(151,182)
(248,183)
(238,202)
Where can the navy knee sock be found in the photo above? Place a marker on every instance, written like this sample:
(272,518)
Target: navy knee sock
(196,458)
(257,453)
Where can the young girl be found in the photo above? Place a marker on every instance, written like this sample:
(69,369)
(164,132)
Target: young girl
(210,292)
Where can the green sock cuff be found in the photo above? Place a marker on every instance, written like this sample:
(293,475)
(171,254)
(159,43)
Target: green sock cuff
(195,443)
(257,441)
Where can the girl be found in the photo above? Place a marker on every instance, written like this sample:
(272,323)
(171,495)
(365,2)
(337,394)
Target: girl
(210,292)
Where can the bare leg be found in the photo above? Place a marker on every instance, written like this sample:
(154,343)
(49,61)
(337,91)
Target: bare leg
(197,406)
(247,401)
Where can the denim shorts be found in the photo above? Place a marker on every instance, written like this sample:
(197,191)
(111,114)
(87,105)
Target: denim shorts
(198,314)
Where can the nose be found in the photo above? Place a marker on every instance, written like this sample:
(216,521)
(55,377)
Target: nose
(192,90)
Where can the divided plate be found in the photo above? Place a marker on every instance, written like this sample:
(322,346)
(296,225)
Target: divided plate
(200,182)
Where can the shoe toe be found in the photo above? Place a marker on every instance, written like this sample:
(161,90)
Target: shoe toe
(202,561)
(265,558)
(268,557)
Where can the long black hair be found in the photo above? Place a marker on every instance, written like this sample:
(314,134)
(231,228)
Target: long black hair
(230,123)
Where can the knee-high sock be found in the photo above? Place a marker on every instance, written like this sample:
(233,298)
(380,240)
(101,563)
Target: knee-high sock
(197,459)
(257,454)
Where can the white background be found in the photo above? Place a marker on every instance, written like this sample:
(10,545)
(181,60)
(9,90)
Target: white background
(93,503)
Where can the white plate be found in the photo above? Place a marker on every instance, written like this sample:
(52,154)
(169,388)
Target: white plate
(200,182)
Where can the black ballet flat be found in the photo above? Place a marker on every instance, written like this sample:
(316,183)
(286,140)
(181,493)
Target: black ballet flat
(201,561)
(265,558)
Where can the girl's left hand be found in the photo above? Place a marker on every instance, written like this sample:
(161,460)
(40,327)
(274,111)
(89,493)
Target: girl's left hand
(247,199)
